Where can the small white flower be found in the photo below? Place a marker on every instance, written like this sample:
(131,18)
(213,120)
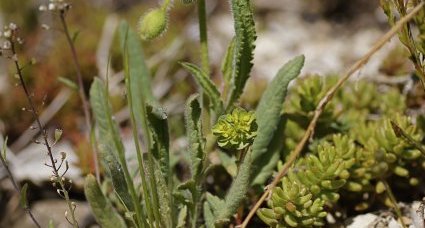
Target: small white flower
(13,26)
(42,8)
(52,6)
(7,33)
(6,44)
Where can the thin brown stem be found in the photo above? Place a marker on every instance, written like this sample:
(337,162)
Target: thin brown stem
(394,202)
(18,189)
(323,102)
(81,90)
(42,130)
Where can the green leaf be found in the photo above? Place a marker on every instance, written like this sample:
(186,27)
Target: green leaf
(58,135)
(267,164)
(209,88)
(194,135)
(68,83)
(268,115)
(269,109)
(4,149)
(243,53)
(101,207)
(228,162)
(181,221)
(227,64)
(24,198)
(164,198)
(51,225)
(138,71)
(236,193)
(110,144)
(208,216)
(157,121)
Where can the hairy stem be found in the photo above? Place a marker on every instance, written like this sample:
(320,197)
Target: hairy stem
(42,130)
(81,91)
(322,104)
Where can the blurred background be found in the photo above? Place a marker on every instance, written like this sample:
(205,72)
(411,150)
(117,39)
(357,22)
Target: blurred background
(331,33)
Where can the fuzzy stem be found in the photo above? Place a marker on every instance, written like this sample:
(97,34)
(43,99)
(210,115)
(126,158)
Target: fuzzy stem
(81,91)
(42,130)
(322,104)
(394,202)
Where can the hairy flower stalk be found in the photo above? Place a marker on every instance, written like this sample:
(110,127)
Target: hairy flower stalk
(57,178)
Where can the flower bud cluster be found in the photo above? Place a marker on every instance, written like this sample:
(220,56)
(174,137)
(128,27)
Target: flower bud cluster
(8,35)
(55,5)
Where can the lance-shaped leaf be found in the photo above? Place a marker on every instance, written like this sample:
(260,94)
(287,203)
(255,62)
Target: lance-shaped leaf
(243,52)
(194,135)
(270,107)
(110,144)
(138,71)
(101,207)
(208,87)
(158,125)
(268,117)
(265,165)
(227,64)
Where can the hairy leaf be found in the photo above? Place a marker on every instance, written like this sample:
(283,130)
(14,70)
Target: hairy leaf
(138,71)
(269,109)
(243,53)
(157,121)
(267,164)
(194,134)
(110,144)
(101,207)
(209,88)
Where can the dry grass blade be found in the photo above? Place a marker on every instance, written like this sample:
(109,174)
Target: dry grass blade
(324,101)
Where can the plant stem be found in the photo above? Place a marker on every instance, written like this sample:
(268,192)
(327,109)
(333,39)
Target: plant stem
(140,159)
(322,104)
(81,91)
(394,202)
(42,130)
(18,189)
(203,36)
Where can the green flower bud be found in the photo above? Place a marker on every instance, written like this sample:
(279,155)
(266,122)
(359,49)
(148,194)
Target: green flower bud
(153,24)
(236,130)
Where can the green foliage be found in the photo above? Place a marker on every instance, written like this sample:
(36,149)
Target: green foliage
(207,86)
(358,153)
(101,207)
(243,50)
(110,144)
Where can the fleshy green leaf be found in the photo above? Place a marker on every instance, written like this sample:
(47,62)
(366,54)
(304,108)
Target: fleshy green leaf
(101,207)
